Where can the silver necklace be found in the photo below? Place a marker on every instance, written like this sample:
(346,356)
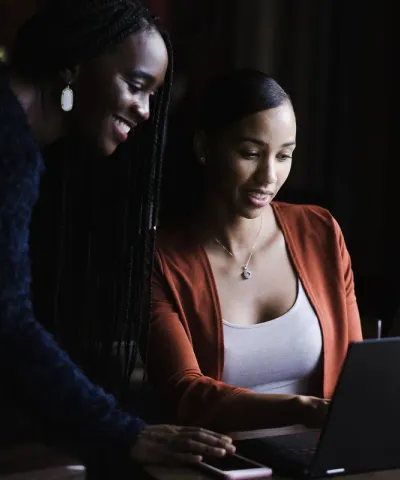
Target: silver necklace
(246,273)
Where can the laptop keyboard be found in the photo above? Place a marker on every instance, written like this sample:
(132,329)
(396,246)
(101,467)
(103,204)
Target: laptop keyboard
(300,445)
(304,455)
(297,446)
(304,441)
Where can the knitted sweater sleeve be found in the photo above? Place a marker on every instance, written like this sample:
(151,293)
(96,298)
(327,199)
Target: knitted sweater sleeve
(53,389)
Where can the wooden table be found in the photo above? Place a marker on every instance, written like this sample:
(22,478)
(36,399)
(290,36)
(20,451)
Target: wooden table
(187,474)
(163,473)
(36,462)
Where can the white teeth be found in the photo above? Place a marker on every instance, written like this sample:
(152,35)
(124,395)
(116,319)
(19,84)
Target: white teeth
(257,195)
(122,125)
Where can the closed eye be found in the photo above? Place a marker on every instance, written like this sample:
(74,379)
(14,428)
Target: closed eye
(250,155)
(284,157)
(136,87)
(133,87)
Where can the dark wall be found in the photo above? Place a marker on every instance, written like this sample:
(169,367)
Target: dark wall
(12,15)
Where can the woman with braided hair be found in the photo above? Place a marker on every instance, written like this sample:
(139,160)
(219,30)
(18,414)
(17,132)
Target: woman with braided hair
(94,69)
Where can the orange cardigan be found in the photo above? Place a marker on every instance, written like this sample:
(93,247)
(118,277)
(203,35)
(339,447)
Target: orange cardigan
(185,356)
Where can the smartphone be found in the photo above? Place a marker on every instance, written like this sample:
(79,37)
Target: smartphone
(234,467)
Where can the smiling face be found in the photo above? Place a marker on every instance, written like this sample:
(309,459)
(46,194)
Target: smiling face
(112,92)
(247,163)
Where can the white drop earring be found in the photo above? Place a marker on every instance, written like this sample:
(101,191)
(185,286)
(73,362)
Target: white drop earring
(203,160)
(67,98)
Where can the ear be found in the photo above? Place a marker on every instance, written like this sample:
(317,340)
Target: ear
(199,144)
(69,75)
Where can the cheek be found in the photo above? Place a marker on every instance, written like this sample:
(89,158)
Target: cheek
(97,98)
(283,171)
(241,172)
(235,173)
(119,94)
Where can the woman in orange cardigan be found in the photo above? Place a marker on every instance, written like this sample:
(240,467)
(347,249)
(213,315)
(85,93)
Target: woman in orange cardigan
(253,300)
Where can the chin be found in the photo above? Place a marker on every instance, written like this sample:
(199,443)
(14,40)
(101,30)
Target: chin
(106,148)
(251,213)
(109,151)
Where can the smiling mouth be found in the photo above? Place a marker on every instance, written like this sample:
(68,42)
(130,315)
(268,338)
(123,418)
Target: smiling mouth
(260,195)
(258,199)
(122,125)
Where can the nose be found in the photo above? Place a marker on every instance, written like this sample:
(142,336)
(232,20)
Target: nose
(141,108)
(266,172)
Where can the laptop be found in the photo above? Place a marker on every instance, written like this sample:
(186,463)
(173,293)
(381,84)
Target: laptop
(362,428)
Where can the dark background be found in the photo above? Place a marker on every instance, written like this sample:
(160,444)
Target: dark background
(336,58)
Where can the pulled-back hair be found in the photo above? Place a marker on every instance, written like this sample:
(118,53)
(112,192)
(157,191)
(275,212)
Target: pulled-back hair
(235,95)
(93,231)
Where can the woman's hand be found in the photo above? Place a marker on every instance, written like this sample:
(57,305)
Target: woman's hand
(169,444)
(313,410)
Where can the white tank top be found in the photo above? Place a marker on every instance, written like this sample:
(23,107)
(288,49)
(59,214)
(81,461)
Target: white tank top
(279,356)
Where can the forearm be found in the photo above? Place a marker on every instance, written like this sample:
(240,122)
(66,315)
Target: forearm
(249,411)
(215,405)
(52,389)
(55,391)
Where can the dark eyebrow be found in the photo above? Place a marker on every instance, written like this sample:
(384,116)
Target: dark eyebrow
(262,144)
(140,74)
(253,140)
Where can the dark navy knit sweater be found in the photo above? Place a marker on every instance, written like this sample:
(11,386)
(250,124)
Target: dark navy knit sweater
(77,413)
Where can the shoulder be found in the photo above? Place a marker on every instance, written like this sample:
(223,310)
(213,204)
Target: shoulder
(179,252)
(309,226)
(306,218)
(177,236)
(21,167)
(176,242)
(20,160)
(13,122)
(304,213)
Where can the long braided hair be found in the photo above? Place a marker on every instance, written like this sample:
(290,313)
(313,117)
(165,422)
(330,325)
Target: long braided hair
(93,231)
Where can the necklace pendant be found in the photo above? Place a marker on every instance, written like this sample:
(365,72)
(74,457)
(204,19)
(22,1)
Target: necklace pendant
(246,274)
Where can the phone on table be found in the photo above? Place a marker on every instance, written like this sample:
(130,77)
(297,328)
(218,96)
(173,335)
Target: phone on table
(234,467)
